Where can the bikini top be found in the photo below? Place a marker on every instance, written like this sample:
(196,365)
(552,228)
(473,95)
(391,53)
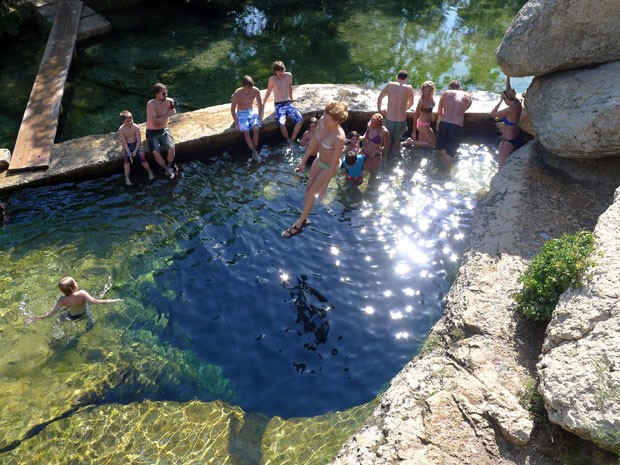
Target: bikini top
(428,109)
(325,146)
(507,122)
(374,140)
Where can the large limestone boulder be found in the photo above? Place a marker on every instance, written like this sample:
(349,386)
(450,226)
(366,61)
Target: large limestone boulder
(553,35)
(580,371)
(576,114)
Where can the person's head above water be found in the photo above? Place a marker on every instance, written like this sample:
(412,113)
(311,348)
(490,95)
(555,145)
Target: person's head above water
(67,285)
(350,158)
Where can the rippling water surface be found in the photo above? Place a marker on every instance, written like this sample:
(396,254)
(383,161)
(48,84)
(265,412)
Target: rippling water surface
(303,326)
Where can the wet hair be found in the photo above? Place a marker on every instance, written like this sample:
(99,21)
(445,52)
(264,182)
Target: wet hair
(402,74)
(125,114)
(67,285)
(339,111)
(350,158)
(278,66)
(377,115)
(157,88)
(313,120)
(455,85)
(510,94)
(247,81)
(430,84)
(353,134)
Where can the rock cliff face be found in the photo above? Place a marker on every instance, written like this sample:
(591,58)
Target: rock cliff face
(580,370)
(575,112)
(575,109)
(555,35)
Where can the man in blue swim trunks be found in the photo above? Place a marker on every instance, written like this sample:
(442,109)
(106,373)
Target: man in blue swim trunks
(281,84)
(450,116)
(399,99)
(244,115)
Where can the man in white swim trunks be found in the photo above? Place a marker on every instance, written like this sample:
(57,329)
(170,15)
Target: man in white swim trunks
(244,115)
(399,100)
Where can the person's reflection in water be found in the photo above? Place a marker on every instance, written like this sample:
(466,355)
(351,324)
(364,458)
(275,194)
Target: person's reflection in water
(312,318)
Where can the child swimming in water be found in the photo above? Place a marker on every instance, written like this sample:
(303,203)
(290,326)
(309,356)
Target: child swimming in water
(354,167)
(74,299)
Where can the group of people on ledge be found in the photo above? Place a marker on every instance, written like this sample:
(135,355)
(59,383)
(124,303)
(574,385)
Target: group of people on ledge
(325,139)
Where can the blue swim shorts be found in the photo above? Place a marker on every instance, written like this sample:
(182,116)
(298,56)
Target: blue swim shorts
(286,108)
(139,153)
(449,137)
(247,119)
(158,138)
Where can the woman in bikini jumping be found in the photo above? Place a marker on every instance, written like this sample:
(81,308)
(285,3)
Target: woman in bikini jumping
(328,141)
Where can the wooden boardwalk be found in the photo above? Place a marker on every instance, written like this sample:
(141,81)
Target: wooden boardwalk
(33,147)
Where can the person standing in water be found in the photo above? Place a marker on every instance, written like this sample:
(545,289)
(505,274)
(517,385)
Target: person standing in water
(399,99)
(75,300)
(328,142)
(453,104)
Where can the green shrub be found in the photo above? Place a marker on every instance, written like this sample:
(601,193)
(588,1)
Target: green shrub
(12,14)
(561,264)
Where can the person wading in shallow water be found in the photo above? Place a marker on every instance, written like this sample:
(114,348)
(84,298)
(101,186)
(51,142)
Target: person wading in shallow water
(450,117)
(328,142)
(399,100)
(74,299)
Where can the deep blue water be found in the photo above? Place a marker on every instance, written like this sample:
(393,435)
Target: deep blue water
(316,323)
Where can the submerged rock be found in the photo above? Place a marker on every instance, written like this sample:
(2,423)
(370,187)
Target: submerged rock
(190,433)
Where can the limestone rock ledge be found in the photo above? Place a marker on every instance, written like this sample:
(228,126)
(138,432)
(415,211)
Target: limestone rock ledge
(457,402)
(553,35)
(576,114)
(580,371)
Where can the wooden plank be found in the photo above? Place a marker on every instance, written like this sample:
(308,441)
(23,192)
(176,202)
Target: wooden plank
(33,147)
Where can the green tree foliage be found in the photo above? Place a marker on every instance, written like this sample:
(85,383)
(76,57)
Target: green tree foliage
(561,264)
(12,14)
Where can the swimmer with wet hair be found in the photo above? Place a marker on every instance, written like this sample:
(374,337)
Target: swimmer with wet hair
(76,300)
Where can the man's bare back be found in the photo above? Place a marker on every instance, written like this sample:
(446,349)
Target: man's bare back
(452,106)
(399,100)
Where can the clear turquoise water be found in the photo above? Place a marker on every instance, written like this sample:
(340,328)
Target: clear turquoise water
(299,327)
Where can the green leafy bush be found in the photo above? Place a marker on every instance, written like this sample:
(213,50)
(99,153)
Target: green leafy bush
(12,14)
(561,264)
